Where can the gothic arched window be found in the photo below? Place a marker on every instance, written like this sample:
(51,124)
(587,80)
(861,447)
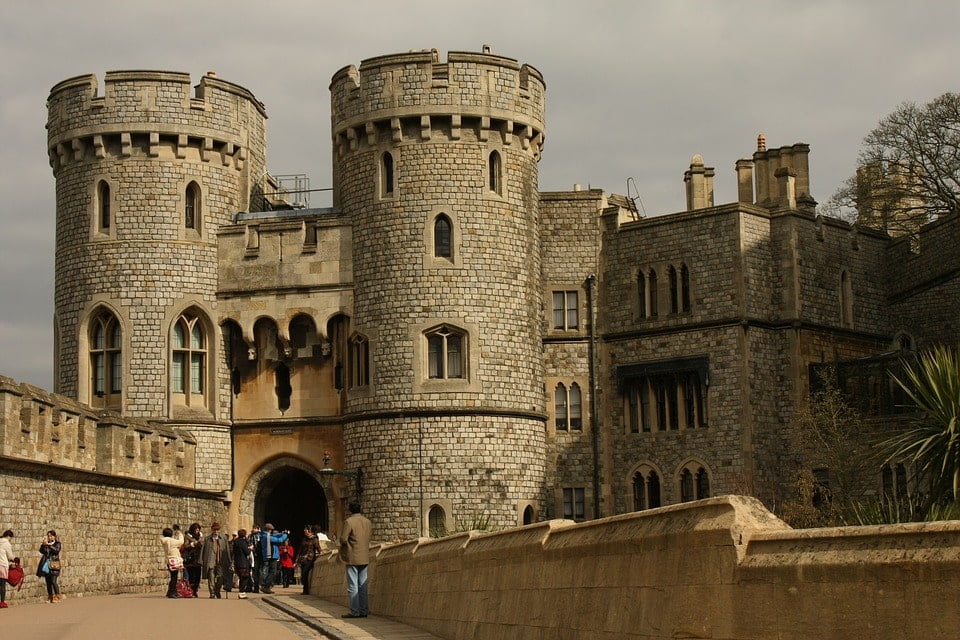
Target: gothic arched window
(188,361)
(106,360)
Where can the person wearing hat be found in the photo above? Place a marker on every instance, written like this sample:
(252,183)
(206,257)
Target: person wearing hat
(216,559)
(269,554)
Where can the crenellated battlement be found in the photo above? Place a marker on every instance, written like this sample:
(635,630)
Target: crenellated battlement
(416,97)
(156,114)
(52,429)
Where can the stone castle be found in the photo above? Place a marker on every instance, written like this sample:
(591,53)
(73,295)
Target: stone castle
(445,342)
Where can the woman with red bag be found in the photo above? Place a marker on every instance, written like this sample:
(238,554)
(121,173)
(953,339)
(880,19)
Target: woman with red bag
(7,559)
(171,541)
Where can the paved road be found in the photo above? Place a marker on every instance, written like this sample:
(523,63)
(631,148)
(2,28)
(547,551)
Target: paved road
(285,616)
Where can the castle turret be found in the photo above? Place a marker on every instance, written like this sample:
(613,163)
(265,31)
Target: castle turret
(146,173)
(436,164)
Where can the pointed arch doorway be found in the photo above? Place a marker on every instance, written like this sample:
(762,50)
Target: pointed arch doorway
(289,498)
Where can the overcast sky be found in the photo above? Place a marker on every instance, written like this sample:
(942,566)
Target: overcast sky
(634,89)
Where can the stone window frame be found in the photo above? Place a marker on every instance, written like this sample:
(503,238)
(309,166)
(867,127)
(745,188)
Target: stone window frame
(422,382)
(429,504)
(367,390)
(522,506)
(97,231)
(84,373)
(494,145)
(689,480)
(431,261)
(387,173)
(110,354)
(358,361)
(565,290)
(649,406)
(574,495)
(845,293)
(903,341)
(553,417)
(196,231)
(644,470)
(896,478)
(205,400)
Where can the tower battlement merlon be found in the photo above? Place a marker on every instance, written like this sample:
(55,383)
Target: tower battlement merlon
(162,101)
(420,84)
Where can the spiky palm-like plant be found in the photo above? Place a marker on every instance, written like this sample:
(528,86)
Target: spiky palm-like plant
(932,384)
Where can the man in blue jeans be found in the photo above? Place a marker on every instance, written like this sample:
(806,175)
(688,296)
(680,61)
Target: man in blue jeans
(270,554)
(355,551)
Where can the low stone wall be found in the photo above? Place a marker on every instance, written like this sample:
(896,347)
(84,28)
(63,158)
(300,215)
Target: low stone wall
(109,525)
(718,568)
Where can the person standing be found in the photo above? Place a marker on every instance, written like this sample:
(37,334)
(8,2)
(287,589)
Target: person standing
(6,561)
(241,562)
(192,545)
(286,563)
(355,552)
(49,565)
(309,550)
(269,554)
(171,541)
(255,558)
(216,559)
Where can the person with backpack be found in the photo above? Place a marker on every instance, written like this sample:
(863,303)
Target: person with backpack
(7,560)
(49,566)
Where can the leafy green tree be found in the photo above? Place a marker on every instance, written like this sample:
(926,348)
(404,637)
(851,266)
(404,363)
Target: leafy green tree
(932,384)
(909,169)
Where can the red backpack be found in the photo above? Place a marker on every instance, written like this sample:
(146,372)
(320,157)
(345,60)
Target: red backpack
(15,574)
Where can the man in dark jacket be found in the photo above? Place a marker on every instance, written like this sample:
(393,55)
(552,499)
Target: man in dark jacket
(355,552)
(216,558)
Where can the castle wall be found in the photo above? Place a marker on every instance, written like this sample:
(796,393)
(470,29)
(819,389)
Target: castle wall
(570,230)
(923,276)
(278,266)
(717,568)
(98,517)
(93,475)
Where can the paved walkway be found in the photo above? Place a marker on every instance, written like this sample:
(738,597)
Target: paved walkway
(325,617)
(286,615)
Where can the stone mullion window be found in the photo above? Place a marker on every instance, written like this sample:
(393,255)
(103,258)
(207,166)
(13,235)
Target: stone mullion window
(188,361)
(359,361)
(574,503)
(445,354)
(646,489)
(106,361)
(566,310)
(684,288)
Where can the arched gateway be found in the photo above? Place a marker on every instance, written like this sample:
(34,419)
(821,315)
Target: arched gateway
(289,494)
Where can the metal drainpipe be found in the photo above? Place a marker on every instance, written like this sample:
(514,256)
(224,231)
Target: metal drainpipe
(594,423)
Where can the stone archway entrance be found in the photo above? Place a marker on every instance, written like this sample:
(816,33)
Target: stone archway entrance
(289,495)
(288,499)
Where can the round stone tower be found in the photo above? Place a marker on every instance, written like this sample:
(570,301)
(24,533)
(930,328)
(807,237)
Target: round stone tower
(435,163)
(145,173)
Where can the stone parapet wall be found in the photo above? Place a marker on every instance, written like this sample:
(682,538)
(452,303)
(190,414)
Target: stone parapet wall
(717,568)
(51,429)
(418,83)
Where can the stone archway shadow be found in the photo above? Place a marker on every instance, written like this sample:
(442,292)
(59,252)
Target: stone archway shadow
(290,491)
